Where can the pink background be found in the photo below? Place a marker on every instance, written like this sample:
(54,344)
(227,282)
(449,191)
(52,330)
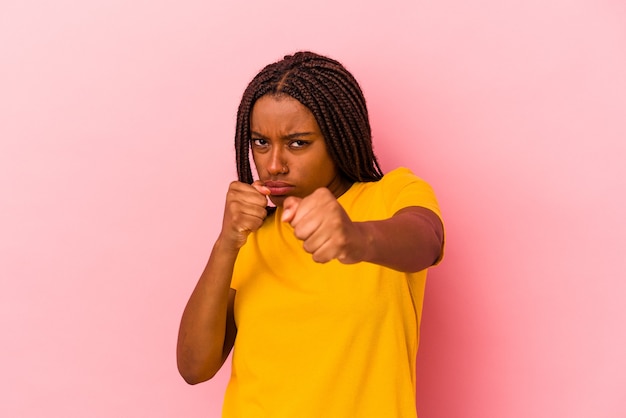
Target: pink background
(116,127)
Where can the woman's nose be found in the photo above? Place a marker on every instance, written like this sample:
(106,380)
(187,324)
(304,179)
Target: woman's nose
(276,164)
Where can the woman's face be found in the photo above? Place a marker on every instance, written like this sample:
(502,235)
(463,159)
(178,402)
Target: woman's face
(289,150)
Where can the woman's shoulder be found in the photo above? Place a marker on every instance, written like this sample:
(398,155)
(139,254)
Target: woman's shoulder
(400,176)
(398,172)
(396,178)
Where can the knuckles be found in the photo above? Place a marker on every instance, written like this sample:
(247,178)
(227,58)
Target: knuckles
(324,228)
(245,208)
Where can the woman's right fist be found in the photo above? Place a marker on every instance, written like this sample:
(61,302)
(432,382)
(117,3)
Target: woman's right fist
(244,211)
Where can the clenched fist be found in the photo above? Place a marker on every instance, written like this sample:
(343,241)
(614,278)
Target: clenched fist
(325,228)
(244,212)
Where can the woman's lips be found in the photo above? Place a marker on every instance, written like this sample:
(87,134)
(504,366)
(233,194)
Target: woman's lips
(278,188)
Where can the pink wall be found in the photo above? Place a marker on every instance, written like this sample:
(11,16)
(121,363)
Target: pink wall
(116,120)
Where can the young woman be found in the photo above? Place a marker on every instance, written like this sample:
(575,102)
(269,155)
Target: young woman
(320,296)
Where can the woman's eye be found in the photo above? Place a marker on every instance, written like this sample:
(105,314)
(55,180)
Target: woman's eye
(298,143)
(259,142)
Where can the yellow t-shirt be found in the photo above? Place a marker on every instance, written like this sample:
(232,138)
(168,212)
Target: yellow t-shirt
(327,340)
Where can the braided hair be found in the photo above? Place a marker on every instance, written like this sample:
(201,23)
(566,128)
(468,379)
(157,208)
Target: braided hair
(334,97)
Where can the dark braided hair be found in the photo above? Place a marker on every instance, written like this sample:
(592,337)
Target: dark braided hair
(334,97)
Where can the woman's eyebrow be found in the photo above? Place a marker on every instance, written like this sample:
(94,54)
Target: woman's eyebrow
(298,134)
(288,136)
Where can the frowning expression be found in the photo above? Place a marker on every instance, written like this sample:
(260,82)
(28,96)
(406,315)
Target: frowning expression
(289,150)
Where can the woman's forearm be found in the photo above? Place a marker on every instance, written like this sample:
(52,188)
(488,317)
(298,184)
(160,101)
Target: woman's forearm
(207,329)
(410,241)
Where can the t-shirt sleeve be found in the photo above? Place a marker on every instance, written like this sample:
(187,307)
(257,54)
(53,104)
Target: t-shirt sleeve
(402,189)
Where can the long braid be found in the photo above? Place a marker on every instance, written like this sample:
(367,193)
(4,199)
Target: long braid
(334,97)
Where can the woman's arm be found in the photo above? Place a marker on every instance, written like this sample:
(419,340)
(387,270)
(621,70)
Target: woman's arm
(411,240)
(207,328)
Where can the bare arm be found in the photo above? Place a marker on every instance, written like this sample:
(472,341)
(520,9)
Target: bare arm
(207,328)
(411,240)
